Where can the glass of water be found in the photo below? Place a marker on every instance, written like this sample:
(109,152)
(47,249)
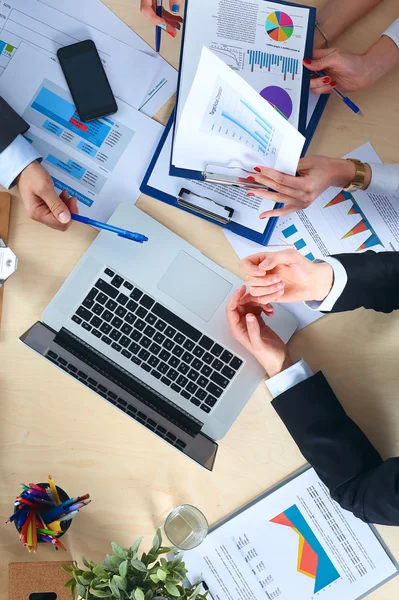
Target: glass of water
(186,527)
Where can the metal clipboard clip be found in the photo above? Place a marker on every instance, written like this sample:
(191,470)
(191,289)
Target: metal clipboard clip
(223,175)
(205,206)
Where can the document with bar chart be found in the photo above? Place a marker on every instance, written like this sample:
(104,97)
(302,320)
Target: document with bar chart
(263,41)
(294,543)
(225,123)
(143,81)
(101,163)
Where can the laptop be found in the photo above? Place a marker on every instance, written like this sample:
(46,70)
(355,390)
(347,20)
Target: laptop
(144,327)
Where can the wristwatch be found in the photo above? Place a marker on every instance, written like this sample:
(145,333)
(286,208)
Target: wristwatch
(358,181)
(8,262)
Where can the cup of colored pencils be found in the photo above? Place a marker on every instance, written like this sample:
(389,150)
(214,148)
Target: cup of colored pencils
(43,512)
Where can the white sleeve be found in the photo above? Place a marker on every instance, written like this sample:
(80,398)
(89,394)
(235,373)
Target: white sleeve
(384,178)
(340,281)
(14,159)
(393,32)
(289,378)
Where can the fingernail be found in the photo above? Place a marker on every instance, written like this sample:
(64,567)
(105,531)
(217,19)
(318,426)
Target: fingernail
(250,318)
(251,178)
(263,217)
(264,263)
(276,280)
(258,169)
(63,217)
(333,83)
(172,33)
(162,27)
(175,8)
(326,79)
(250,194)
(307,61)
(280,286)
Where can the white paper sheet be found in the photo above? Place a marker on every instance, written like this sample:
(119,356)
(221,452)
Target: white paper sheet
(226,122)
(99,16)
(261,41)
(101,163)
(294,544)
(337,222)
(131,73)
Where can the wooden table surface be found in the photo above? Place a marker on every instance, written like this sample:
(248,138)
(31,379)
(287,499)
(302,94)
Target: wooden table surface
(50,423)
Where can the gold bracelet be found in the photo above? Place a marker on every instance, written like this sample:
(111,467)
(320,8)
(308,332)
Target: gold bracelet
(357,182)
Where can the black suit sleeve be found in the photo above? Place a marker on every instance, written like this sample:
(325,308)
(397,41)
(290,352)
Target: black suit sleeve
(373,281)
(345,460)
(11,125)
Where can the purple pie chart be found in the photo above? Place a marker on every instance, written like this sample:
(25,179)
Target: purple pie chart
(278,98)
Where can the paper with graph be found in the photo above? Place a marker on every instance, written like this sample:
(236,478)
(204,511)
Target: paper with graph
(225,122)
(294,543)
(101,163)
(264,42)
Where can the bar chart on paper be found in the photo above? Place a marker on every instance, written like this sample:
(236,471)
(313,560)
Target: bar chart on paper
(286,67)
(232,117)
(293,237)
(102,141)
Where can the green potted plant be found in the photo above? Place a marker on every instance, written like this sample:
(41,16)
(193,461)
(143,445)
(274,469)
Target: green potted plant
(125,576)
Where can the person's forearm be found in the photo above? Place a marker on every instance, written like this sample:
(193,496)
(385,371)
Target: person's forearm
(380,59)
(337,16)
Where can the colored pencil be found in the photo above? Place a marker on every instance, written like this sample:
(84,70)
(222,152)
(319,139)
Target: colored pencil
(54,490)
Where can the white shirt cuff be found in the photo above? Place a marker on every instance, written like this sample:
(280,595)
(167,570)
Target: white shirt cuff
(14,159)
(393,32)
(340,281)
(384,179)
(289,378)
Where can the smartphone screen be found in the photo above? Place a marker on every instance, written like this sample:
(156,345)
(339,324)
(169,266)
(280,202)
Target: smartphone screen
(87,80)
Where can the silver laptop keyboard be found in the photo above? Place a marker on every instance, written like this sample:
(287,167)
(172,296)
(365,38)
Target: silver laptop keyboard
(142,330)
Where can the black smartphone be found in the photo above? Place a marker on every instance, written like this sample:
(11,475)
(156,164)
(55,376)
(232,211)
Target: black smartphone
(87,80)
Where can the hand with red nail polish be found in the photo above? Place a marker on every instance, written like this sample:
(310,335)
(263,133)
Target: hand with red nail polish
(170,21)
(345,70)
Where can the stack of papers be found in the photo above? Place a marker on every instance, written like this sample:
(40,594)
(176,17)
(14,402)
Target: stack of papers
(101,163)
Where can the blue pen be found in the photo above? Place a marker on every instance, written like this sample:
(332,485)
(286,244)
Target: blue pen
(129,235)
(158,29)
(346,100)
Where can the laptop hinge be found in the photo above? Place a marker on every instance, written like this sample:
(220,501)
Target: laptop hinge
(128,382)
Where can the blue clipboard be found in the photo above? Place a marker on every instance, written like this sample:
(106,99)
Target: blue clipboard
(197,175)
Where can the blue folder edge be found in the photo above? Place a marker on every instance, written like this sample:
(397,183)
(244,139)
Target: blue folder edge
(282,484)
(259,238)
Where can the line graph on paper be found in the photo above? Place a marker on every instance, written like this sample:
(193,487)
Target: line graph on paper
(231,55)
(230,116)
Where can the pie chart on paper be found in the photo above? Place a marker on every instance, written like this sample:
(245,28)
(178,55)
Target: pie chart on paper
(279,26)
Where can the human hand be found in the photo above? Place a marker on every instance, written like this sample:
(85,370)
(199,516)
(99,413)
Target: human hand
(248,328)
(345,70)
(170,21)
(41,201)
(285,276)
(316,174)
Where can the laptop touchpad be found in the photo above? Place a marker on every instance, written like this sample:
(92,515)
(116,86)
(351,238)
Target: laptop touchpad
(195,286)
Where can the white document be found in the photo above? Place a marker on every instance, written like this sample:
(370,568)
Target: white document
(99,16)
(337,222)
(226,122)
(263,42)
(135,77)
(102,163)
(294,544)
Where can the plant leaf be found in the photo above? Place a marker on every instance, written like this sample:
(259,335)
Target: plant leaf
(81,590)
(69,583)
(123,569)
(161,574)
(101,593)
(139,594)
(118,550)
(66,568)
(153,578)
(83,581)
(134,548)
(157,541)
(86,562)
(100,572)
(114,589)
(165,550)
(172,590)
(138,565)
(120,582)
